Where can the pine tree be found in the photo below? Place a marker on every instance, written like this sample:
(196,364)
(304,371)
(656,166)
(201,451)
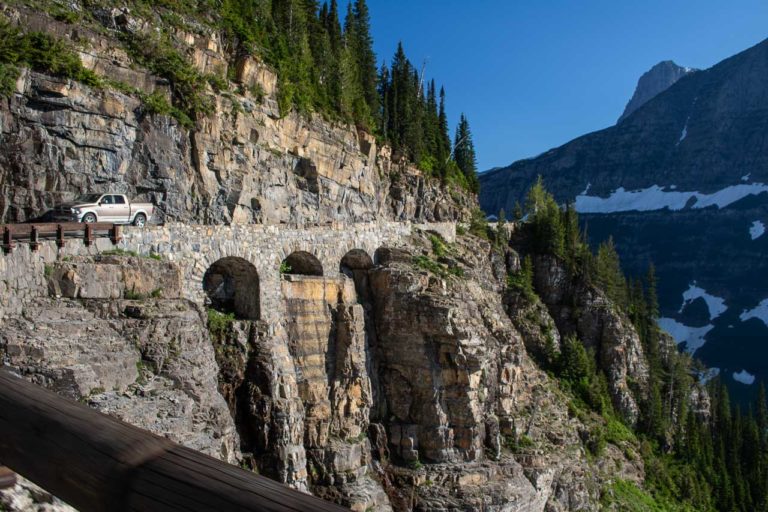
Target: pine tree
(366,62)
(545,220)
(333,86)
(384,93)
(294,57)
(464,154)
(502,235)
(322,56)
(609,275)
(522,280)
(517,212)
(444,138)
(431,131)
(572,239)
(651,295)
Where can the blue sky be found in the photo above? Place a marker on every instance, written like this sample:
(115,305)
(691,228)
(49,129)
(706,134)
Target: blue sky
(534,74)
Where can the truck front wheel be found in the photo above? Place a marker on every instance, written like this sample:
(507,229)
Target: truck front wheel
(89,218)
(140,220)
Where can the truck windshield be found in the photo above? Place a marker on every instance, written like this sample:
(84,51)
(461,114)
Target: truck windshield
(88,198)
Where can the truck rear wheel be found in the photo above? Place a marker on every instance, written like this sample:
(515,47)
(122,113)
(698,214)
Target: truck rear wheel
(89,218)
(140,220)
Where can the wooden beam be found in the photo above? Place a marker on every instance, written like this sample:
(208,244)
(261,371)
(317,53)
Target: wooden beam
(98,463)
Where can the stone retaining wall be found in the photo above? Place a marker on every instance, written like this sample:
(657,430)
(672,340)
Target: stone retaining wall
(196,247)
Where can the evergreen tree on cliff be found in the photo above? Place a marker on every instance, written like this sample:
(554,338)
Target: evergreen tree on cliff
(293,55)
(464,153)
(365,57)
(444,146)
(333,28)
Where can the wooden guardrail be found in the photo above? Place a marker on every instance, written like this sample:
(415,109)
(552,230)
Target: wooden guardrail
(98,463)
(35,233)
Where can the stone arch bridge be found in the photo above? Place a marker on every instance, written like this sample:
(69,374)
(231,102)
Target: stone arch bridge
(241,266)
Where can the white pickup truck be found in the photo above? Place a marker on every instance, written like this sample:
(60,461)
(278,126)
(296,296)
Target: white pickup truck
(114,208)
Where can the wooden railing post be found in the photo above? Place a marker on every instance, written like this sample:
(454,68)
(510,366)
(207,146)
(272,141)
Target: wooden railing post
(97,463)
(116,234)
(8,244)
(88,235)
(34,238)
(60,236)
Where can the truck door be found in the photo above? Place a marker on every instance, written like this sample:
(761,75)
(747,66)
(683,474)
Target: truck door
(106,209)
(122,210)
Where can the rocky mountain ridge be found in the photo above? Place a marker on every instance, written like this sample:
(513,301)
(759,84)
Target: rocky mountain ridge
(654,81)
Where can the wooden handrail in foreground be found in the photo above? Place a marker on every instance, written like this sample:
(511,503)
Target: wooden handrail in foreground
(98,463)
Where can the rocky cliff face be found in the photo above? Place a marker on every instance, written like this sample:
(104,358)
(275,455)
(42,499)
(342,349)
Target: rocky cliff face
(245,163)
(390,387)
(653,82)
(680,182)
(582,310)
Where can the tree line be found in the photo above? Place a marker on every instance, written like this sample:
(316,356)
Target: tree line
(328,67)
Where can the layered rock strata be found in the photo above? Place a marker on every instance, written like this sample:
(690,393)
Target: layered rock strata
(246,163)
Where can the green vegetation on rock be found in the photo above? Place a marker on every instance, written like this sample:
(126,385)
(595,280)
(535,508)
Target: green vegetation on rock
(41,52)
(219,324)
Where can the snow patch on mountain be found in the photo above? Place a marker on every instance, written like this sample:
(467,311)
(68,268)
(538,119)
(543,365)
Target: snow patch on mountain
(760,312)
(693,337)
(756,230)
(744,377)
(715,305)
(658,198)
(684,134)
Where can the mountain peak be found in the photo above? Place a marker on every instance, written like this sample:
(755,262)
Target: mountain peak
(653,82)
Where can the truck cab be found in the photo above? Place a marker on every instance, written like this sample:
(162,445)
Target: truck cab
(112,208)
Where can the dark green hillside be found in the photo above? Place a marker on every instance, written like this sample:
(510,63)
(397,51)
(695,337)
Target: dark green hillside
(698,456)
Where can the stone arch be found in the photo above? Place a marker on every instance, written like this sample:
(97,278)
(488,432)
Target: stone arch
(232,286)
(378,256)
(356,259)
(355,264)
(302,263)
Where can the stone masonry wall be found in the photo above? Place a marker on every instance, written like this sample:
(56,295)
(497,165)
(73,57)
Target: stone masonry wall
(196,247)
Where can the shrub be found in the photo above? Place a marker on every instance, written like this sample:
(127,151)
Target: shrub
(41,52)
(427,263)
(415,465)
(522,281)
(120,252)
(219,324)
(132,294)
(478,225)
(617,432)
(157,53)
(596,441)
(8,76)
(439,248)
